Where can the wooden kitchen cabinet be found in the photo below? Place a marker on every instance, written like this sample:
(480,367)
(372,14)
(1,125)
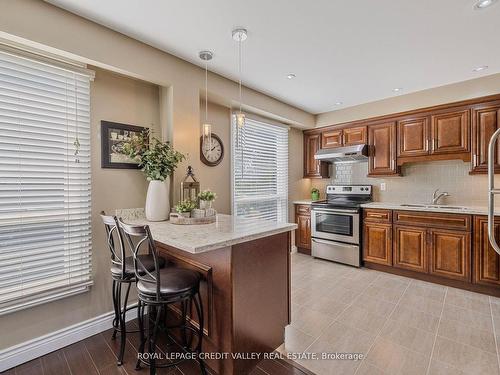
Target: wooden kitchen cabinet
(303,232)
(312,167)
(486,260)
(485,121)
(382,150)
(331,139)
(377,243)
(450,132)
(344,137)
(450,254)
(413,137)
(410,248)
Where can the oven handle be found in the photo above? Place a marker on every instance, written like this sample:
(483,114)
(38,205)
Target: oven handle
(340,244)
(335,211)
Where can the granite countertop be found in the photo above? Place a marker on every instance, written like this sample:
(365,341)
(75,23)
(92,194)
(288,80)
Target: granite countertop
(304,201)
(226,231)
(470,210)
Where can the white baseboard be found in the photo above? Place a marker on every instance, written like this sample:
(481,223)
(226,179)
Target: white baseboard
(37,347)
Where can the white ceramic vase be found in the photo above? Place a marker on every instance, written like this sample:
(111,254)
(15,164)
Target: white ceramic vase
(157,202)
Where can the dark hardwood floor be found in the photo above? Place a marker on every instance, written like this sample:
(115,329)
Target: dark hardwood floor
(96,355)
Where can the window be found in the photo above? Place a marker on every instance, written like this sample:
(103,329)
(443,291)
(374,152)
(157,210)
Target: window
(45,235)
(260,171)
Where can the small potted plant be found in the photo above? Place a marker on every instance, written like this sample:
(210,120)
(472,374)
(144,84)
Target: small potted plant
(206,198)
(185,207)
(315,194)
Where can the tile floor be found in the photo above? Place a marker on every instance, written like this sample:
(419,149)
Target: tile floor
(400,325)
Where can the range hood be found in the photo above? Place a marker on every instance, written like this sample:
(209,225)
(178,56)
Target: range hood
(349,154)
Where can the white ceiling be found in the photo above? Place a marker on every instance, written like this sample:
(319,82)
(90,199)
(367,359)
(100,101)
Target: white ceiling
(349,51)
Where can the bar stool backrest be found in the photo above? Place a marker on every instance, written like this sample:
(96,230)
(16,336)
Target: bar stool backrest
(135,236)
(114,235)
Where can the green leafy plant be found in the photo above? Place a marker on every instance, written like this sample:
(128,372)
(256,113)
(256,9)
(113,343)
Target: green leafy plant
(185,206)
(314,190)
(157,159)
(207,195)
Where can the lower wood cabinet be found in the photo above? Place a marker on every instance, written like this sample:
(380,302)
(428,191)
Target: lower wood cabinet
(377,243)
(486,260)
(450,254)
(410,248)
(303,232)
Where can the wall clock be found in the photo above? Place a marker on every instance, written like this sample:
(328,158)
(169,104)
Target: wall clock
(211,153)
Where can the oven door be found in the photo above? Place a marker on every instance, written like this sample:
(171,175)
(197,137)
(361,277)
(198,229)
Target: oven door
(336,225)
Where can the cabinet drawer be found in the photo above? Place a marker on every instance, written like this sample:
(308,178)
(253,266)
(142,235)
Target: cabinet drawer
(302,209)
(434,220)
(377,215)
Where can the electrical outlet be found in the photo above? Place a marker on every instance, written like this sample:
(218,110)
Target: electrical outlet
(382,186)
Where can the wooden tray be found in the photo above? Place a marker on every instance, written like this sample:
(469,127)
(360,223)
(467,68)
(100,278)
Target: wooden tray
(181,220)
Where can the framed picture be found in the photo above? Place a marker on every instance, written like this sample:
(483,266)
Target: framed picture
(113,136)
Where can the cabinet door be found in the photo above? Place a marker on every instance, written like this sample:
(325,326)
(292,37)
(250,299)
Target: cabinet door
(303,233)
(382,142)
(377,243)
(450,132)
(413,137)
(312,167)
(486,260)
(331,139)
(410,248)
(485,121)
(450,254)
(354,136)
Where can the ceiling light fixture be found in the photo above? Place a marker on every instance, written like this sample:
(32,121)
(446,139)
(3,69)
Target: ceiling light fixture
(206,128)
(481,4)
(240,35)
(480,68)
(291,76)
(397,89)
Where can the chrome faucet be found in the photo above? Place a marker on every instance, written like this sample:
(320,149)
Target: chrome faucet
(436,197)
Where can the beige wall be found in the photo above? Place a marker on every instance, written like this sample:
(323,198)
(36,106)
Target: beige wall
(218,178)
(113,98)
(474,88)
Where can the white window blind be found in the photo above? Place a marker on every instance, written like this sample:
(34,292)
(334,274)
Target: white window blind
(260,171)
(45,235)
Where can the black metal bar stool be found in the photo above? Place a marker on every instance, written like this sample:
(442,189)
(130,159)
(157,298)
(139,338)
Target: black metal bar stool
(157,290)
(122,272)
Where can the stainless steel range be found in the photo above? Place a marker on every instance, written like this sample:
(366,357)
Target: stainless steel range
(336,223)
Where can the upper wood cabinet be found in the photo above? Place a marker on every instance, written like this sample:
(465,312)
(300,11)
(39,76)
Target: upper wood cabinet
(413,137)
(331,139)
(382,144)
(354,136)
(343,137)
(486,260)
(450,132)
(312,167)
(485,121)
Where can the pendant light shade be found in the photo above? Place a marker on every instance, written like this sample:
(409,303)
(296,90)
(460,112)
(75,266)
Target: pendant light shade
(206,128)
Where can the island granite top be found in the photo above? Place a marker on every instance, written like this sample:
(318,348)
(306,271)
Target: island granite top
(226,231)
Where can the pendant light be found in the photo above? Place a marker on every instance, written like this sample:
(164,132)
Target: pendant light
(240,35)
(206,127)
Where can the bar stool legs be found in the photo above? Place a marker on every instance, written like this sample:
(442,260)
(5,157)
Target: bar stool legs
(155,314)
(119,321)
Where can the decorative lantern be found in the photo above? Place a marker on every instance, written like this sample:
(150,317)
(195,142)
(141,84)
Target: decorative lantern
(190,189)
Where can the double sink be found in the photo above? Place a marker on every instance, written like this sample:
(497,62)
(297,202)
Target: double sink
(436,206)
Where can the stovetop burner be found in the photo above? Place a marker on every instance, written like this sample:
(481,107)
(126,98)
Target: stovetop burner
(345,196)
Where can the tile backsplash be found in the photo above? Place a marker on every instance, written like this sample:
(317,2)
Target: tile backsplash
(418,182)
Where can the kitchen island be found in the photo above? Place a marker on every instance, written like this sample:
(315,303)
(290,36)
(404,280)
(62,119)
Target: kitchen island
(245,268)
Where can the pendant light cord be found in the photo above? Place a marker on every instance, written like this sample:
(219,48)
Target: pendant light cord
(206,91)
(239,67)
